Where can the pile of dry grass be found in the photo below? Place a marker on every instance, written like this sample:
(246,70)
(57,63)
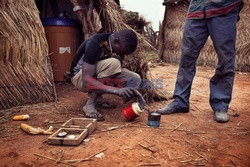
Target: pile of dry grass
(26,75)
(171,32)
(243,42)
(112,21)
(135,21)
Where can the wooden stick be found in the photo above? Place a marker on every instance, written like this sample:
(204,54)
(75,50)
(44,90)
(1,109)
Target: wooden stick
(190,160)
(110,129)
(177,158)
(196,133)
(176,127)
(238,123)
(60,157)
(162,127)
(195,106)
(150,164)
(58,122)
(42,156)
(205,137)
(91,156)
(119,127)
(188,154)
(85,159)
(201,156)
(151,145)
(147,148)
(234,163)
(188,142)
(169,155)
(245,133)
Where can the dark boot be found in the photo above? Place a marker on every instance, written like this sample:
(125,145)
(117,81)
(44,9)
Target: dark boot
(172,108)
(221,116)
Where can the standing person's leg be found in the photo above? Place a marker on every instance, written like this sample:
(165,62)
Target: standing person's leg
(222,30)
(194,37)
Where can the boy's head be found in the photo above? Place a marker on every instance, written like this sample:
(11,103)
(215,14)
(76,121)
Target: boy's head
(124,42)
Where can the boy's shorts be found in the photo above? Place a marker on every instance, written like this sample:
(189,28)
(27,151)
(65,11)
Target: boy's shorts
(105,68)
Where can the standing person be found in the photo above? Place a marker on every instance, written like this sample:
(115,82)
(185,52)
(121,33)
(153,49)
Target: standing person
(97,69)
(217,19)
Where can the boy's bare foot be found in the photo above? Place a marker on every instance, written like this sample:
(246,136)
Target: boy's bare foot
(91,112)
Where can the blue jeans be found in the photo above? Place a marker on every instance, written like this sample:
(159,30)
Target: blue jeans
(222,30)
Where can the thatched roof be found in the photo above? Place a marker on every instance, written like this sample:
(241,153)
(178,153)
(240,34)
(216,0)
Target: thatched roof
(26,75)
(172,30)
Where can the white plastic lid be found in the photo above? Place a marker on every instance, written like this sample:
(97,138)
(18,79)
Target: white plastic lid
(136,108)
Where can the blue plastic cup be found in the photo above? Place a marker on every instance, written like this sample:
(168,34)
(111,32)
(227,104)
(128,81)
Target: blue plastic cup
(154,119)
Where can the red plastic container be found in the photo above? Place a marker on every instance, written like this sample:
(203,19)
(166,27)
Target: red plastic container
(131,112)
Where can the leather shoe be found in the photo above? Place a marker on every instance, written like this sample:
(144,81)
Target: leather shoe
(172,108)
(221,116)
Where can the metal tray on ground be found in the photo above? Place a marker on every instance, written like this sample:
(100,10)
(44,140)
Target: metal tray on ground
(81,123)
(79,134)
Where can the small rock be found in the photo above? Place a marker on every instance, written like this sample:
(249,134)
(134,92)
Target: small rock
(46,121)
(100,155)
(86,140)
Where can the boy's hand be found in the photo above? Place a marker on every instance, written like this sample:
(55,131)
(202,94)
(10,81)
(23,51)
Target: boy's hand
(127,93)
(141,100)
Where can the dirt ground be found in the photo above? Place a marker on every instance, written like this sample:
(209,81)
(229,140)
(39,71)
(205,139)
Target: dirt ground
(192,139)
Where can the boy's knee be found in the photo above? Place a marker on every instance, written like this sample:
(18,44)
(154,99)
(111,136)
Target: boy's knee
(137,77)
(108,67)
(134,80)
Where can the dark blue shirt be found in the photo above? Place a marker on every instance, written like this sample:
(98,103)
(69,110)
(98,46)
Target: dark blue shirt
(89,52)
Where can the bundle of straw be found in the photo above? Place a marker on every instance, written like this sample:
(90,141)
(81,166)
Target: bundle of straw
(26,74)
(243,42)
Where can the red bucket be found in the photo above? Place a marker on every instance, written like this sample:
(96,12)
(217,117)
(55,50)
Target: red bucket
(131,112)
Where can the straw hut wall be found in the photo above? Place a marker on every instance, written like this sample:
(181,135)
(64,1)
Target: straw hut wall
(26,75)
(171,31)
